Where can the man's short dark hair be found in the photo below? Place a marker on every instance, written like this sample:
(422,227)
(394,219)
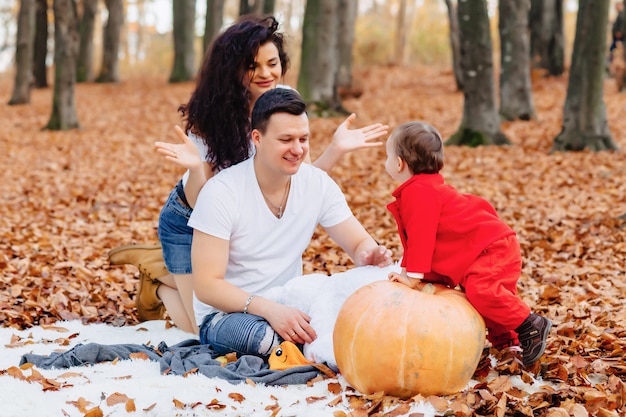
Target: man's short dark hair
(276,100)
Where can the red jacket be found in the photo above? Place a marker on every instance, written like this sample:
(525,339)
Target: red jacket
(443,231)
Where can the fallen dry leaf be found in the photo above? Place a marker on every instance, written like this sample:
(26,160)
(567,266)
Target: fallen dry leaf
(81,404)
(94,412)
(236,397)
(215,404)
(117,398)
(139,355)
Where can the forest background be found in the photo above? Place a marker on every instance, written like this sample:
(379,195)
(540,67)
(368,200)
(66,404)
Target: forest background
(70,196)
(147,35)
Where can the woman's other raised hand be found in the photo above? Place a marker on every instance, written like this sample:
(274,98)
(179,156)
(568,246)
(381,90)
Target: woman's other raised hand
(184,153)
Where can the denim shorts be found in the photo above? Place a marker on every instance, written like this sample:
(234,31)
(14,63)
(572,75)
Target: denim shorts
(174,234)
(245,334)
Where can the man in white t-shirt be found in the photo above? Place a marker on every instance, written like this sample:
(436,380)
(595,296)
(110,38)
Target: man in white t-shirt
(253,221)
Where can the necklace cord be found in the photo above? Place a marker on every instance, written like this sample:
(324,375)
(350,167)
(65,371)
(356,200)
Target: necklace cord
(280,212)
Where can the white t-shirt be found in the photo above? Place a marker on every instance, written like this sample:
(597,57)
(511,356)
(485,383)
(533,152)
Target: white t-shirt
(265,251)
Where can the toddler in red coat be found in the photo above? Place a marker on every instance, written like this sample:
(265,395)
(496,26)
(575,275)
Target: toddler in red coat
(458,240)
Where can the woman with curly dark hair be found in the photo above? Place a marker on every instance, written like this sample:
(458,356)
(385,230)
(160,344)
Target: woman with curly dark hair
(243,62)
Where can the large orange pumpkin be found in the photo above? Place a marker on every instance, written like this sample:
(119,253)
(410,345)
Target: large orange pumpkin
(389,337)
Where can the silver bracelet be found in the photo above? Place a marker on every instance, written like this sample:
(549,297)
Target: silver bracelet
(248,301)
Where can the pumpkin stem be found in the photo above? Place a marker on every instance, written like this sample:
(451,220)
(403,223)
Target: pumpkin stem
(428,288)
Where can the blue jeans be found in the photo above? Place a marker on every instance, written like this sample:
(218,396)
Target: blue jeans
(174,234)
(245,334)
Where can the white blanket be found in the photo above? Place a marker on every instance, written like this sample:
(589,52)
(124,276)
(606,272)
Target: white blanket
(154,394)
(321,297)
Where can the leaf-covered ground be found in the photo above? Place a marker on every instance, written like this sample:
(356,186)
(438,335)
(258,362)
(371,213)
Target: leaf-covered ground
(69,197)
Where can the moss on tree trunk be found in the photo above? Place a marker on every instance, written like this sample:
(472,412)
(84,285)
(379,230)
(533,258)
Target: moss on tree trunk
(469,137)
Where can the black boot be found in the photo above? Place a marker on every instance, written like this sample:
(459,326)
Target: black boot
(532,334)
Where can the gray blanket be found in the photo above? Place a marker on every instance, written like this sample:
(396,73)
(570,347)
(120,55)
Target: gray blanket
(178,360)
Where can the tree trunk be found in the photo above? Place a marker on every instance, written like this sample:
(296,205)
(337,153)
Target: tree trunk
(455,46)
(257,7)
(109,72)
(86,28)
(319,61)
(251,7)
(622,82)
(584,115)
(400,38)
(347,14)
(481,123)
(40,53)
(63,115)
(269,7)
(213,21)
(546,36)
(244,7)
(24,53)
(184,12)
(287,13)
(140,50)
(516,100)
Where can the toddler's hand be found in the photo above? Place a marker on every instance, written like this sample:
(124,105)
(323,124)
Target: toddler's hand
(403,279)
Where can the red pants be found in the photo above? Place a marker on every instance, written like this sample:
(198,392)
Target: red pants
(490,285)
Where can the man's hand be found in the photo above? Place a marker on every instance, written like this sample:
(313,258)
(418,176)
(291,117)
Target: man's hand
(379,256)
(290,323)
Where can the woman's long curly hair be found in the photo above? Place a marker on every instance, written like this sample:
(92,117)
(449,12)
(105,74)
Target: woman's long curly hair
(219,108)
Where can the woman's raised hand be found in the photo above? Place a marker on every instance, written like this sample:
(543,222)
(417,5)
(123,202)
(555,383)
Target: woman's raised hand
(347,140)
(184,153)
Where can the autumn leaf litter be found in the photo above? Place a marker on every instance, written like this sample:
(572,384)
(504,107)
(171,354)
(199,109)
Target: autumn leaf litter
(68,197)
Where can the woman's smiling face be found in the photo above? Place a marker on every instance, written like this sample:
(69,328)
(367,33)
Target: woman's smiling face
(266,71)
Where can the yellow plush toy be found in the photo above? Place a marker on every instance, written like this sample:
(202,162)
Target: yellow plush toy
(285,356)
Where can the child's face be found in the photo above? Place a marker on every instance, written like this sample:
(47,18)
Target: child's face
(392,164)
